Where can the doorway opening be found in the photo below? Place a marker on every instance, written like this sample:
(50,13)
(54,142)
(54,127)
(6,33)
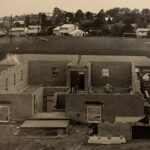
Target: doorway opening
(78,80)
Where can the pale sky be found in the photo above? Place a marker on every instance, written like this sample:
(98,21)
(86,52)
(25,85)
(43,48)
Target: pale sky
(18,7)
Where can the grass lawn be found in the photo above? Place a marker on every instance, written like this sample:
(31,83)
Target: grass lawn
(76,45)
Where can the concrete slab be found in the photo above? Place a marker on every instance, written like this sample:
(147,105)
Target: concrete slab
(50,115)
(106,140)
(128,119)
(45,124)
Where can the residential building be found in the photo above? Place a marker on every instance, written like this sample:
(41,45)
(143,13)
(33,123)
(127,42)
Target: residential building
(33,29)
(3,31)
(142,32)
(68,30)
(77,33)
(19,23)
(17,31)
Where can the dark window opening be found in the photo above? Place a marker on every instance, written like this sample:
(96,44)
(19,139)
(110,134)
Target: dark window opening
(55,71)
(21,75)
(6,84)
(14,79)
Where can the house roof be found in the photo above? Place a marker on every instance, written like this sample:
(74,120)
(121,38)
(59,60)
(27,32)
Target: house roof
(20,22)
(143,29)
(17,28)
(57,28)
(4,67)
(34,26)
(67,25)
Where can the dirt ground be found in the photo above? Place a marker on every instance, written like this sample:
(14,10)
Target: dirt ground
(11,139)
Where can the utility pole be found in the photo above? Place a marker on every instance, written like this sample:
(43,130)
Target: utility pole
(11,29)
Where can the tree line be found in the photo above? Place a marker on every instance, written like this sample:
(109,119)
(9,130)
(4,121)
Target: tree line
(112,22)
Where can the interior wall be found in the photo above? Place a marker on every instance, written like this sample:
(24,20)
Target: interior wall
(120,74)
(40,72)
(38,100)
(112,106)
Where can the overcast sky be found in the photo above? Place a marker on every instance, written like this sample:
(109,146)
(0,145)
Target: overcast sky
(17,7)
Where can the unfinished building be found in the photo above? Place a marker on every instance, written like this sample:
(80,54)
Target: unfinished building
(102,90)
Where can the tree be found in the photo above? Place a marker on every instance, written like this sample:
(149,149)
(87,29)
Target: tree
(27,20)
(117,29)
(100,19)
(89,15)
(58,16)
(79,16)
(141,21)
(69,17)
(43,20)
(146,15)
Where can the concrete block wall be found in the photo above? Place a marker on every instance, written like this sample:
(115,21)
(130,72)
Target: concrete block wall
(115,130)
(37,101)
(20,105)
(40,72)
(120,74)
(112,106)
(9,73)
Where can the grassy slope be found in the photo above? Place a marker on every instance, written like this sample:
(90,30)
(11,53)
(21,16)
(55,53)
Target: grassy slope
(84,45)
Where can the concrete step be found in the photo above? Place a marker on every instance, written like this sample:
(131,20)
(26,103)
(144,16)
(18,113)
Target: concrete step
(45,127)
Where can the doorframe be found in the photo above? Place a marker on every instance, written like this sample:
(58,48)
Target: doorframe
(79,75)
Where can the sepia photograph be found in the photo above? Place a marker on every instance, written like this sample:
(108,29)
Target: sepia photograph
(74,75)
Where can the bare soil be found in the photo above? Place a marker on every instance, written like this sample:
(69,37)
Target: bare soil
(76,140)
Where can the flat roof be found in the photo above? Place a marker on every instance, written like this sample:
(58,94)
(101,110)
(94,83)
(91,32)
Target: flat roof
(45,124)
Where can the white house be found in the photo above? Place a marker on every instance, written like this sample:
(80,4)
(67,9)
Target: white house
(33,29)
(20,22)
(56,31)
(17,31)
(77,33)
(142,32)
(3,31)
(68,29)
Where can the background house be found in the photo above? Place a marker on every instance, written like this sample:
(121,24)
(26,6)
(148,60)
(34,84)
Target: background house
(142,32)
(17,31)
(56,31)
(3,31)
(68,30)
(33,29)
(77,33)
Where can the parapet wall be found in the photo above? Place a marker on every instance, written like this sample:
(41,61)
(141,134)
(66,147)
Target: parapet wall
(14,79)
(113,105)
(20,105)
